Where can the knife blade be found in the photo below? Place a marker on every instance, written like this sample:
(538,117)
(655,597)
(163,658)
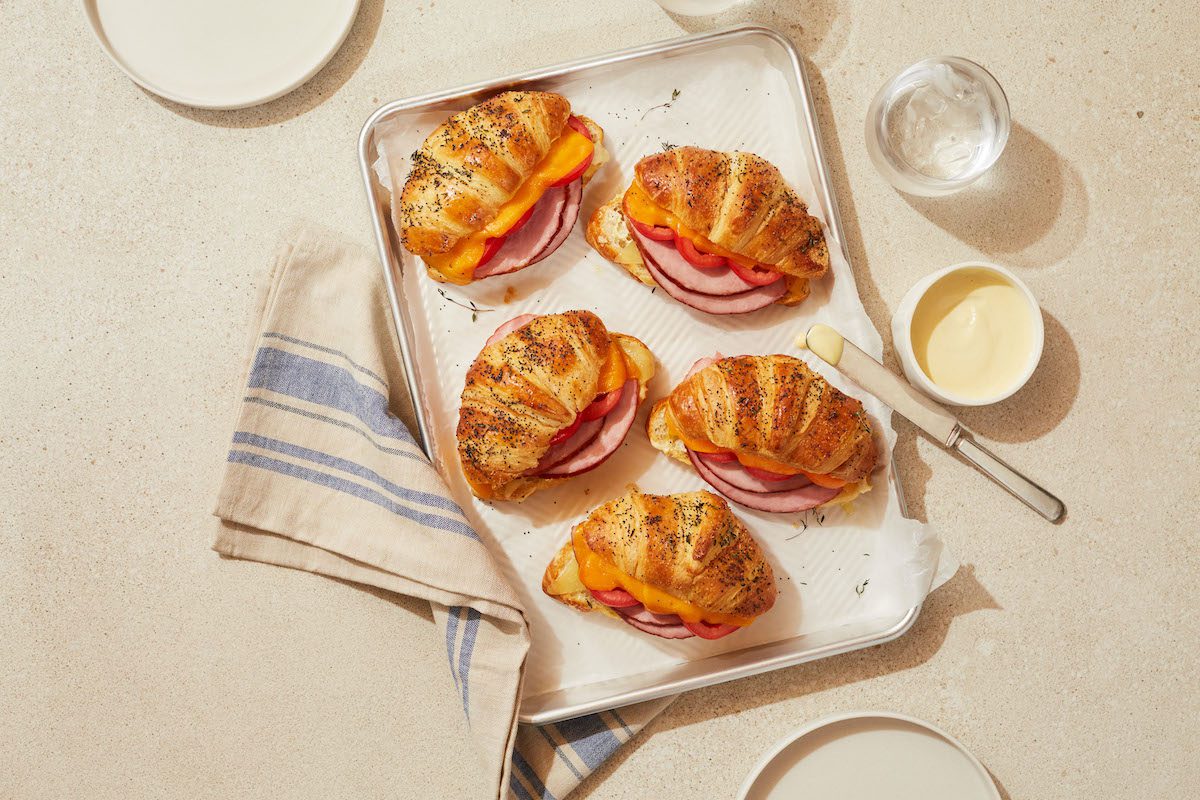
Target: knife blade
(897,393)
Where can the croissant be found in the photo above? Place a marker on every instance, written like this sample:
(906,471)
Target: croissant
(477,176)
(671,565)
(767,432)
(548,397)
(721,232)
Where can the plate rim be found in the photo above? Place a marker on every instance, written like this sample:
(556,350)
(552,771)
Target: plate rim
(92,14)
(842,716)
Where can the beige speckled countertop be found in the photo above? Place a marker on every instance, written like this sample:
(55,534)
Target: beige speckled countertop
(135,663)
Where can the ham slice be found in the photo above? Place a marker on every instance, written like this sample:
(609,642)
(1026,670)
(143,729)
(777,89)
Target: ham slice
(702,363)
(530,243)
(616,598)
(642,614)
(559,453)
(675,631)
(740,303)
(786,502)
(733,473)
(615,426)
(510,326)
(714,281)
(566,222)
(668,626)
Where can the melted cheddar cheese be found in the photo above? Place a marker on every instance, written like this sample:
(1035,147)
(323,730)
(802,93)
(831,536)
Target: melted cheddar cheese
(596,573)
(566,153)
(640,207)
(615,371)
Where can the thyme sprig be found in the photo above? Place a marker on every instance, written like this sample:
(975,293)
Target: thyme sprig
(803,522)
(666,105)
(469,305)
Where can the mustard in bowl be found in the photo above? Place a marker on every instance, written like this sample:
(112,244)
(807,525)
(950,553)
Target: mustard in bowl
(970,334)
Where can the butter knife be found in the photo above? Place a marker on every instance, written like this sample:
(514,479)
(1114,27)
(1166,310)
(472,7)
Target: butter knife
(829,345)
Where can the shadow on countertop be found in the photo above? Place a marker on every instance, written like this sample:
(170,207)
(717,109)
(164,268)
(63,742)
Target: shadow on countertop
(1004,795)
(1042,403)
(1036,410)
(1031,209)
(303,98)
(961,595)
(811,25)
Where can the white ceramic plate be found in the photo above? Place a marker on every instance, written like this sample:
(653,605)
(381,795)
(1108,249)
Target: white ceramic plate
(220,54)
(866,755)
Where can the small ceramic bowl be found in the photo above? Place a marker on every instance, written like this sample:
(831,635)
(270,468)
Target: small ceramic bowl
(902,335)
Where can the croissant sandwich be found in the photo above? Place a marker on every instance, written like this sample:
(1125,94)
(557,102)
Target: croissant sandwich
(767,432)
(549,397)
(497,187)
(675,566)
(720,232)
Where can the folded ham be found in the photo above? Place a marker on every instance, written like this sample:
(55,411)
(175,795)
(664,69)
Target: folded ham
(613,428)
(553,218)
(750,298)
(793,500)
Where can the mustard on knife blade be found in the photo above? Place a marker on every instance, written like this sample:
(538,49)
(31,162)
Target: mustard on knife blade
(824,342)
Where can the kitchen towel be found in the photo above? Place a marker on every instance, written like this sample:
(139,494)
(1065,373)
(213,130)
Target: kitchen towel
(323,476)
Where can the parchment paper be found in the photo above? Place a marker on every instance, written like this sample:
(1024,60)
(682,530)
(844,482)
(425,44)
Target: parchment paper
(834,567)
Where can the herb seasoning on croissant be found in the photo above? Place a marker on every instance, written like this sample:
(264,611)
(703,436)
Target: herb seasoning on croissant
(721,232)
(674,566)
(548,397)
(767,432)
(497,187)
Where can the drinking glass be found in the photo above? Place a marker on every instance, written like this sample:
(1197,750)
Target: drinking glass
(937,126)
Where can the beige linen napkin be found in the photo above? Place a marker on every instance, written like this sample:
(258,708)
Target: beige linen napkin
(323,476)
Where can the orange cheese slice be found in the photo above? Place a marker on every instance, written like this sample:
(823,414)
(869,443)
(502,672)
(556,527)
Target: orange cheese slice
(598,574)
(640,207)
(770,465)
(566,153)
(615,371)
(695,445)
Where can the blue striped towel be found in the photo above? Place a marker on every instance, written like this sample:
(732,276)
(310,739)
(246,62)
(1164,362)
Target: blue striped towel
(323,476)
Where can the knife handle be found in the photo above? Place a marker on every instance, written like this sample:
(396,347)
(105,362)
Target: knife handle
(1017,484)
(893,390)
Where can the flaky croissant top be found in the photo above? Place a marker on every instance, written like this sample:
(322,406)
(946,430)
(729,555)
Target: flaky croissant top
(472,164)
(740,202)
(776,407)
(524,388)
(689,545)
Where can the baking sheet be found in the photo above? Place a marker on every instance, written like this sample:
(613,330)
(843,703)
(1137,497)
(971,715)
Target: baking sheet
(835,567)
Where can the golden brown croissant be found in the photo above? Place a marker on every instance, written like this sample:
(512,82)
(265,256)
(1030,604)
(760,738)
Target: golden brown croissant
(733,206)
(672,565)
(757,426)
(477,174)
(548,398)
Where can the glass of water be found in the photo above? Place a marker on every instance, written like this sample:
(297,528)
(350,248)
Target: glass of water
(937,126)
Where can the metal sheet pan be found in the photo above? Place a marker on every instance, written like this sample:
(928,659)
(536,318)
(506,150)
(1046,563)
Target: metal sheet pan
(576,700)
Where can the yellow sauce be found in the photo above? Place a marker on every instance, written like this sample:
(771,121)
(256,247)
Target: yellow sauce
(596,573)
(824,342)
(972,333)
